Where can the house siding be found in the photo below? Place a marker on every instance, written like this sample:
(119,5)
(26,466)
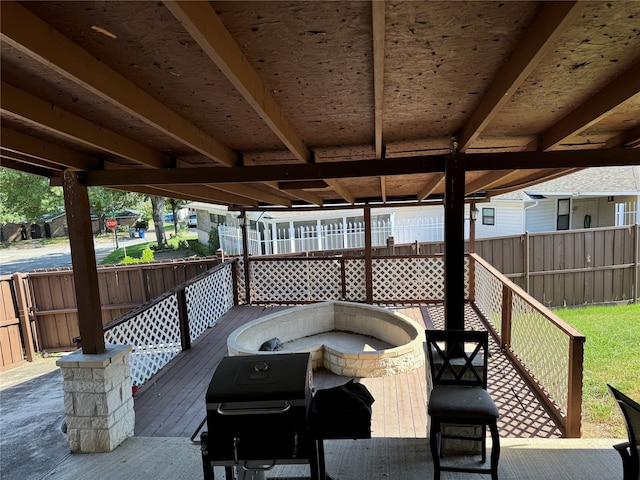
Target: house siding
(508,219)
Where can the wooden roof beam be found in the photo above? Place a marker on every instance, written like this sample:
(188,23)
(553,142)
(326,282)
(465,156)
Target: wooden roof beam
(533,179)
(35,38)
(208,30)
(552,21)
(594,109)
(486,180)
(366,168)
(11,163)
(628,139)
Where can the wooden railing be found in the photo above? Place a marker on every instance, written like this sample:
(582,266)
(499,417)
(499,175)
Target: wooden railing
(161,328)
(546,350)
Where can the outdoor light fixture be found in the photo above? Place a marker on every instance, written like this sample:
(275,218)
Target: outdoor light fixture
(474,214)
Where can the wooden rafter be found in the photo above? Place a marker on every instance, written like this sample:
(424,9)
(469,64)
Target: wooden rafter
(8,162)
(549,25)
(533,179)
(378,17)
(435,182)
(35,38)
(37,148)
(485,181)
(593,110)
(45,115)
(206,28)
(36,162)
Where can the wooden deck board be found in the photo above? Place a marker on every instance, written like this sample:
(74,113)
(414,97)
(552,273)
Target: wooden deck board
(172,403)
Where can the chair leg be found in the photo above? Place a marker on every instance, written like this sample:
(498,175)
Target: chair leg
(495,449)
(434,440)
(484,443)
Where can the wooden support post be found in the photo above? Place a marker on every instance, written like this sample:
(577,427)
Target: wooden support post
(83,258)
(185,334)
(368,263)
(507,311)
(23,315)
(454,243)
(234,280)
(574,394)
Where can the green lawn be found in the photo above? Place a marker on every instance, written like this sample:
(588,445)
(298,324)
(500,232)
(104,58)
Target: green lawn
(611,355)
(135,251)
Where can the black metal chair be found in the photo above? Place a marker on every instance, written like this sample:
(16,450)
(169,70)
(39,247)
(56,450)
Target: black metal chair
(629,451)
(458,363)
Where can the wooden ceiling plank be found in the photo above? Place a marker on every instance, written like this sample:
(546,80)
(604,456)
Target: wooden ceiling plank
(629,139)
(542,34)
(37,148)
(35,38)
(206,28)
(596,108)
(435,182)
(366,168)
(43,114)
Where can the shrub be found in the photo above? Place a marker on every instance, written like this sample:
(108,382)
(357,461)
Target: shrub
(214,240)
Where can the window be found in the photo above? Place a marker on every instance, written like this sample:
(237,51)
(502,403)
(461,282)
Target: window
(564,205)
(488,216)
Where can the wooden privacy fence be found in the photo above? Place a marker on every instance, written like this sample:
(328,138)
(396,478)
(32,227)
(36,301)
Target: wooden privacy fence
(122,288)
(16,339)
(546,350)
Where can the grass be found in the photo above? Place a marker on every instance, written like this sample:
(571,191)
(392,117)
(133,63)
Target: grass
(135,251)
(611,356)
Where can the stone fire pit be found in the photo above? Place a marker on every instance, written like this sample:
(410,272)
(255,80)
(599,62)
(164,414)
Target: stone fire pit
(349,339)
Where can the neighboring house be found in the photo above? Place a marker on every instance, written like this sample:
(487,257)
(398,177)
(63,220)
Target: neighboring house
(596,197)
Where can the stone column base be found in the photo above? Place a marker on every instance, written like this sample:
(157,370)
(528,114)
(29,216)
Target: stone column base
(97,399)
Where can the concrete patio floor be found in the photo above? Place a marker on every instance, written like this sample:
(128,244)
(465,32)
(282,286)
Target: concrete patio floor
(378,458)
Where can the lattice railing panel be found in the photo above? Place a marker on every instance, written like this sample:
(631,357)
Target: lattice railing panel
(408,278)
(154,335)
(488,296)
(295,280)
(208,299)
(355,280)
(542,348)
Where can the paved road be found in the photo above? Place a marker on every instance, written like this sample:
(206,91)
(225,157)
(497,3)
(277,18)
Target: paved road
(38,256)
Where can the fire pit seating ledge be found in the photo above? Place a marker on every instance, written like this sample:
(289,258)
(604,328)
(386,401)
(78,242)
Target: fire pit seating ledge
(342,319)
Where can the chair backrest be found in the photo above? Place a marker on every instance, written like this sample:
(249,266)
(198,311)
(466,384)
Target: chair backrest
(631,413)
(458,357)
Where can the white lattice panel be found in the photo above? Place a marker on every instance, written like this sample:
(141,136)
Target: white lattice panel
(296,280)
(543,348)
(404,279)
(489,296)
(154,335)
(209,299)
(355,280)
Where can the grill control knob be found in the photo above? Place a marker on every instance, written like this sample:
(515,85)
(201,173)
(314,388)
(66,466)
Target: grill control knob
(261,367)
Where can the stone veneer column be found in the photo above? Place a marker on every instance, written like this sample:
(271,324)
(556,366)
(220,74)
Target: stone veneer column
(97,399)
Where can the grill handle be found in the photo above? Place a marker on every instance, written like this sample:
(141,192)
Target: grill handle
(254,411)
(247,467)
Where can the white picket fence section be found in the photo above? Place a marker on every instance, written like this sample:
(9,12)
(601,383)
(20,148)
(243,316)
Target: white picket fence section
(272,240)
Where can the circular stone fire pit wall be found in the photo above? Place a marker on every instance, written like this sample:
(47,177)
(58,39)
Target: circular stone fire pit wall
(404,335)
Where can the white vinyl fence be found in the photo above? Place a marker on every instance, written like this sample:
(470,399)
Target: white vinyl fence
(330,236)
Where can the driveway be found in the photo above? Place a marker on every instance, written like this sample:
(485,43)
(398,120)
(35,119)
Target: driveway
(34,256)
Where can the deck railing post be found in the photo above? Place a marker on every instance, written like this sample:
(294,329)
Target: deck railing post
(507,312)
(234,280)
(574,387)
(183,316)
(343,278)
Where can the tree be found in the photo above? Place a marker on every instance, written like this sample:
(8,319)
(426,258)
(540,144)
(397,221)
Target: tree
(175,206)
(157,203)
(24,196)
(105,201)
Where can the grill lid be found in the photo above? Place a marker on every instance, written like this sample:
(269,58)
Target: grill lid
(260,378)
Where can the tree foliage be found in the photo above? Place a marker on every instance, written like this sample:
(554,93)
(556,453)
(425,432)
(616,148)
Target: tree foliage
(27,197)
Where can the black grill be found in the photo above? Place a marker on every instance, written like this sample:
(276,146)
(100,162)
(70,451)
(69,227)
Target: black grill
(257,413)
